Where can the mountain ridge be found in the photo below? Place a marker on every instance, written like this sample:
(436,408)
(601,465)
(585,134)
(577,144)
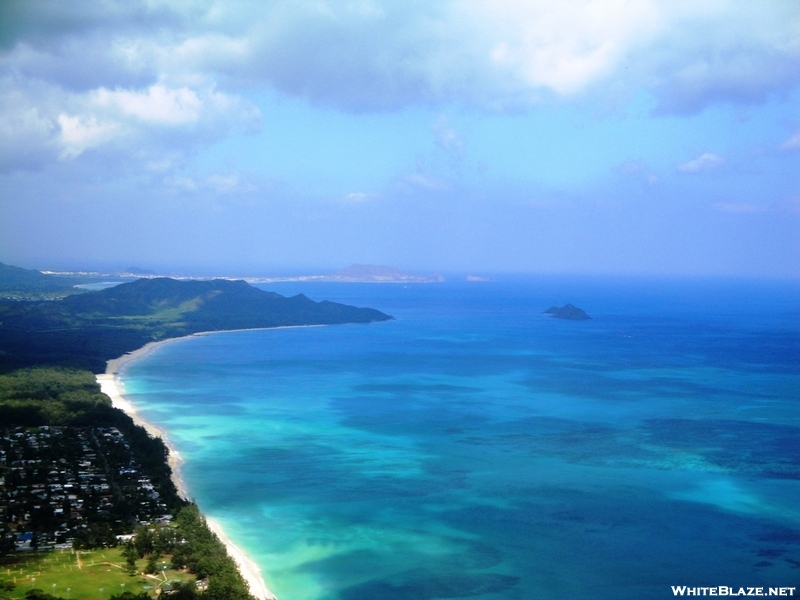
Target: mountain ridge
(17,283)
(89,329)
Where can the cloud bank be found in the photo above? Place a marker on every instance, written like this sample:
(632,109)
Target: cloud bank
(129,76)
(705,162)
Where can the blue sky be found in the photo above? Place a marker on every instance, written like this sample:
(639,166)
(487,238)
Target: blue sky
(599,137)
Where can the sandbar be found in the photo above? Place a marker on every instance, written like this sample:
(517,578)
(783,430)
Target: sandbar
(112,386)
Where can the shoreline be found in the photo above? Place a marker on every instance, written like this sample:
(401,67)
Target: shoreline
(111,385)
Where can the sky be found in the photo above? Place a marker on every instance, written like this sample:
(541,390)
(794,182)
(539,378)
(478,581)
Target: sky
(599,137)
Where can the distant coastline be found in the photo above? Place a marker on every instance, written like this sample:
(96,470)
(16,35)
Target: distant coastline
(355,273)
(111,384)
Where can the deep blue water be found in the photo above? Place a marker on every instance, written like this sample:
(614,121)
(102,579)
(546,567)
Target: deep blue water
(474,448)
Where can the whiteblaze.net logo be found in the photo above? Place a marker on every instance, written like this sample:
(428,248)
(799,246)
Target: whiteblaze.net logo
(724,590)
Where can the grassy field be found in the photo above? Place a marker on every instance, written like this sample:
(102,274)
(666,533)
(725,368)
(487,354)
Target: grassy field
(80,575)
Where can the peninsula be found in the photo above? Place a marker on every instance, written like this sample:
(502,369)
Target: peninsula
(87,330)
(355,273)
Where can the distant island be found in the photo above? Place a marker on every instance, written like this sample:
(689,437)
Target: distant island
(568,311)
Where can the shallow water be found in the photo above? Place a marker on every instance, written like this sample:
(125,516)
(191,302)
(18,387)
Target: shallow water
(476,448)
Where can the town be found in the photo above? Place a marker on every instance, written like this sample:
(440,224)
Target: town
(64,487)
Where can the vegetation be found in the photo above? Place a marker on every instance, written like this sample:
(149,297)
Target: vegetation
(191,545)
(159,559)
(60,432)
(81,574)
(167,557)
(26,284)
(86,330)
(57,396)
(51,396)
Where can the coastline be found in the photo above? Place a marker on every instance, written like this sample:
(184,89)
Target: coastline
(112,386)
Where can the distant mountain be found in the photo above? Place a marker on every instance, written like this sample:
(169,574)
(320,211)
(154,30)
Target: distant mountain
(88,329)
(568,311)
(379,274)
(216,303)
(17,283)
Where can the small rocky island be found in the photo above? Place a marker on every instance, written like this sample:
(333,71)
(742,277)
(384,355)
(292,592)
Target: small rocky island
(568,311)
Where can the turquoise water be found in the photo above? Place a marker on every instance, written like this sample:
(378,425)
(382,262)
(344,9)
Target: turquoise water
(474,448)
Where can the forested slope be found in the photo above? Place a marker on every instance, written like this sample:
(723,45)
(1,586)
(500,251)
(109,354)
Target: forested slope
(86,330)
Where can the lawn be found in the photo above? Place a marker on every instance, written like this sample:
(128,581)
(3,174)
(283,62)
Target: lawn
(80,574)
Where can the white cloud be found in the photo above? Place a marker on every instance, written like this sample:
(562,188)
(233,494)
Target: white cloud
(79,134)
(637,169)
(563,46)
(157,104)
(704,162)
(447,137)
(521,52)
(161,165)
(793,143)
(739,207)
(28,136)
(42,122)
(633,167)
(185,184)
(217,183)
(390,53)
(133,73)
(358,197)
(228,184)
(428,182)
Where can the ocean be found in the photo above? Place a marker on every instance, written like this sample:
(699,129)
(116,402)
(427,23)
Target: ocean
(476,448)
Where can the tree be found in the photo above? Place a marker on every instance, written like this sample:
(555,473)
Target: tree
(152,563)
(37,594)
(184,591)
(130,596)
(130,555)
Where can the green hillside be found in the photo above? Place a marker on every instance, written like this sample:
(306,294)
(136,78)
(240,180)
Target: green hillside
(26,284)
(86,330)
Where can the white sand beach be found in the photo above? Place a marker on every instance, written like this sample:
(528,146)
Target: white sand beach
(111,385)
(249,570)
